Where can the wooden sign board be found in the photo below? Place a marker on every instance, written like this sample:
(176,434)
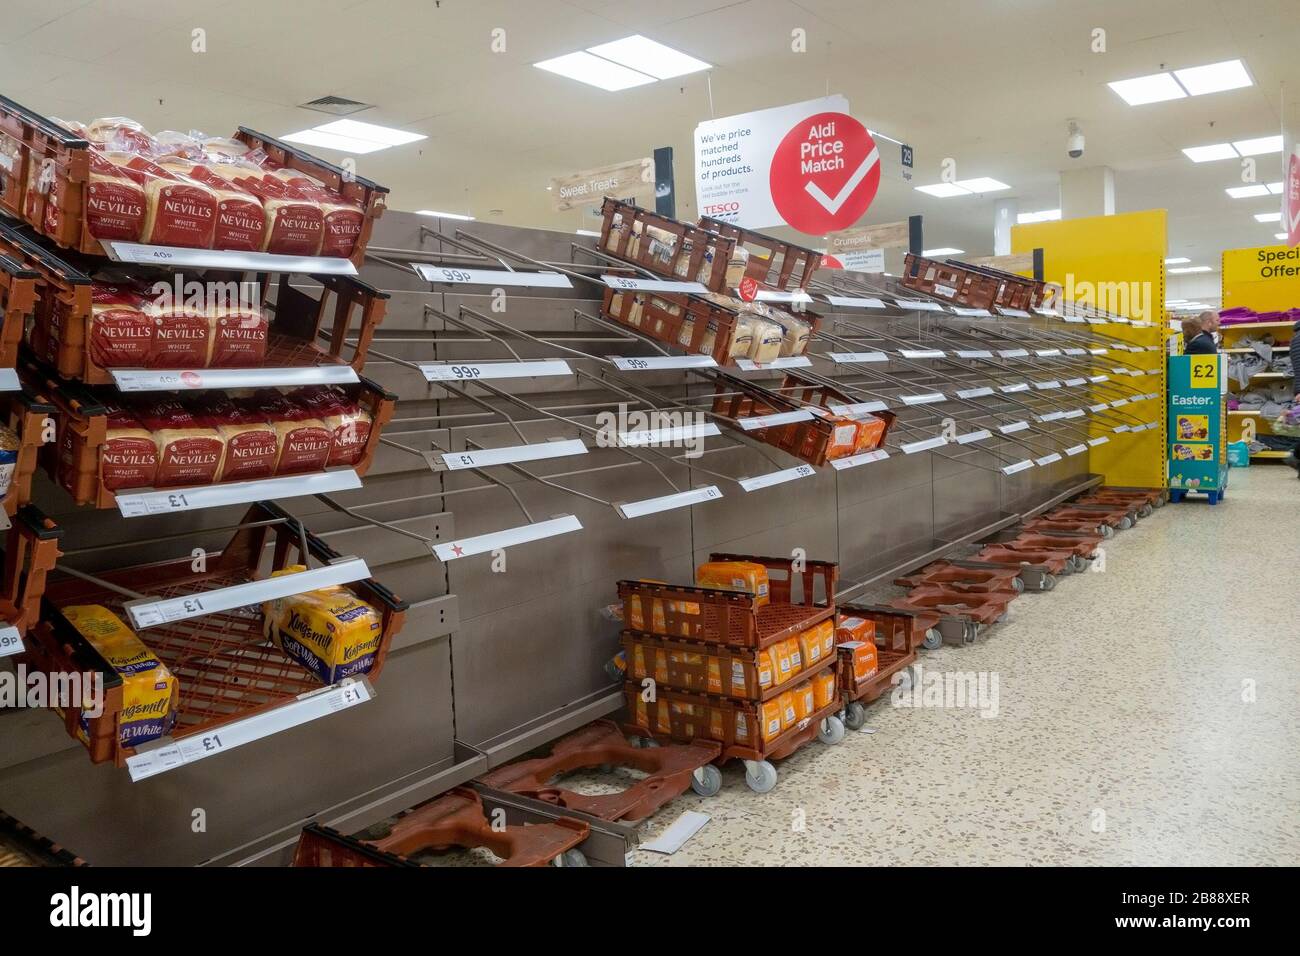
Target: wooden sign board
(884,236)
(1020,263)
(632,180)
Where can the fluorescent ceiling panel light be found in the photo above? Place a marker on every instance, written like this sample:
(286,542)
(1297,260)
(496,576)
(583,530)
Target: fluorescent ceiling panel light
(1141,90)
(1247,192)
(1280,236)
(981,184)
(1258,146)
(344,144)
(646,56)
(1275,188)
(1214,78)
(1177,260)
(1268,216)
(1208,154)
(443,215)
(594,71)
(942,190)
(943,251)
(371,133)
(1043,215)
(587,232)
(1187,269)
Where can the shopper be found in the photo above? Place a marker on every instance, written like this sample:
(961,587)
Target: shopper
(1198,334)
(1293,458)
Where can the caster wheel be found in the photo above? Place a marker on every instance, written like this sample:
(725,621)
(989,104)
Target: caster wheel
(1077,563)
(1145,511)
(970,632)
(831,730)
(1106,531)
(1002,618)
(649,744)
(707,780)
(1018,585)
(1125,523)
(1049,582)
(572,857)
(855,716)
(1159,502)
(760,775)
(903,679)
(933,639)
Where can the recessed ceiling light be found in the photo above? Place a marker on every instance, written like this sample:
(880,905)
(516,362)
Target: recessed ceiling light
(352,136)
(1176,260)
(1043,215)
(1259,146)
(1275,188)
(1207,154)
(1247,192)
(1268,216)
(443,215)
(646,56)
(981,184)
(1214,78)
(943,251)
(1187,269)
(1141,90)
(1280,236)
(587,232)
(942,190)
(595,71)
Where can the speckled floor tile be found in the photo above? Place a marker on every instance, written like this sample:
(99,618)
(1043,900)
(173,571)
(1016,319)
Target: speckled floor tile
(1126,731)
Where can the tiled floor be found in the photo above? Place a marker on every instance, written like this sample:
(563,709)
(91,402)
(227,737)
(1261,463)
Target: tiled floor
(1145,715)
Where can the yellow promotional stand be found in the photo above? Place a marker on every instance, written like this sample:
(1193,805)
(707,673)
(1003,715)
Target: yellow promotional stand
(1116,264)
(1263,279)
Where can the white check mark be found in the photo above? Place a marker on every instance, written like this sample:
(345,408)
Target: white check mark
(832,206)
(1294,221)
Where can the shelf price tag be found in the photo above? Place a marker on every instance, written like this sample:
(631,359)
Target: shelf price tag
(1075,382)
(306,708)
(858,408)
(470,372)
(1076,450)
(921,353)
(969,437)
(651,285)
(1048,459)
(974,392)
(683,499)
(11,642)
(485,457)
(9,380)
(503,277)
(1013,428)
(929,398)
(1013,353)
(136,504)
(922,305)
(151,612)
(1076,351)
(778,477)
(971,313)
(1047,386)
(465,547)
(168,380)
(1017,313)
(1017,467)
(855,302)
(974,353)
(866,458)
(1094,442)
(1017,387)
(780,418)
(667,436)
(653,363)
(925,444)
(787,361)
(176,256)
(857,358)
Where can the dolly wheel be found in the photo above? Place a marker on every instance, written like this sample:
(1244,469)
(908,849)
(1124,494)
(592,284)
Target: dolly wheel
(1145,511)
(831,731)
(574,857)
(760,775)
(1106,531)
(1002,618)
(855,716)
(1125,523)
(1018,585)
(933,639)
(649,743)
(1077,563)
(706,780)
(905,679)
(1159,502)
(1049,582)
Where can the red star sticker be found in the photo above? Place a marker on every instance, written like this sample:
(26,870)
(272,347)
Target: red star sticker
(458,550)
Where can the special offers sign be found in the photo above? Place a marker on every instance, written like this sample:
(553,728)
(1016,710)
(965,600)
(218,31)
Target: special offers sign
(808,165)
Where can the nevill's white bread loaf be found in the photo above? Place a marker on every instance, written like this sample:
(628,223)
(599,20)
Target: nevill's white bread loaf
(121,330)
(178,211)
(305,441)
(182,336)
(239,337)
(348,424)
(241,220)
(115,198)
(252,445)
(188,453)
(342,218)
(295,225)
(129,457)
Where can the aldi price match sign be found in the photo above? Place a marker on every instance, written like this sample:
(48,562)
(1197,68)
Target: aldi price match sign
(1198,457)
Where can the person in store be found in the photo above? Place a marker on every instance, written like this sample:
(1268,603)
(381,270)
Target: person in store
(1293,457)
(1198,334)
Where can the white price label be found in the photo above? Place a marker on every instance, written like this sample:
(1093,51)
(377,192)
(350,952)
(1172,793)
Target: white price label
(1017,387)
(1049,459)
(486,457)
(974,392)
(974,354)
(854,302)
(136,504)
(1017,313)
(233,261)
(1094,442)
(501,277)
(466,547)
(1076,450)
(929,398)
(1017,467)
(653,363)
(1047,386)
(467,372)
(1013,353)
(858,357)
(1013,428)
(1075,382)
(162,380)
(652,285)
(971,313)
(858,408)
(1047,353)
(912,447)
(1076,351)
(921,353)
(922,305)
(1121,428)
(1099,407)
(787,361)
(1119,403)
(768,421)
(11,642)
(778,477)
(636,509)
(969,437)
(839,464)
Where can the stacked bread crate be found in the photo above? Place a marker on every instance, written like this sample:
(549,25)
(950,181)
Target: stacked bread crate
(745,657)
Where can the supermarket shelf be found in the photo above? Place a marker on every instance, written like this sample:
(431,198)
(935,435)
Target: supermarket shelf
(1243,414)
(138,254)
(1275,348)
(140,502)
(1272,375)
(1255,325)
(1269,454)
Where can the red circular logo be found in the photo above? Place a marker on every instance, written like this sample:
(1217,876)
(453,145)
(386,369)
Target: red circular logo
(192,379)
(830,262)
(748,289)
(825,173)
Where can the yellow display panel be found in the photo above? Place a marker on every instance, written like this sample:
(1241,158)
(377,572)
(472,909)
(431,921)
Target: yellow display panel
(1116,263)
(1263,278)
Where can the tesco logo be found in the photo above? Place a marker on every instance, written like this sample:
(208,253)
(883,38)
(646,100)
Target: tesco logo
(717,209)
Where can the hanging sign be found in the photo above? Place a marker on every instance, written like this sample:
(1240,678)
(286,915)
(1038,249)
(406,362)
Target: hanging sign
(633,181)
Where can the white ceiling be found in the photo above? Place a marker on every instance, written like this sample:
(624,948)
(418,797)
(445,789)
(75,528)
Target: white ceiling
(987,82)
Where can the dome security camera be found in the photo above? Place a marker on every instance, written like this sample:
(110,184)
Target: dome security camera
(1074,141)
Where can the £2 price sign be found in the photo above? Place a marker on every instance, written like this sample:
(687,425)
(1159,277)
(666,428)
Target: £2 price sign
(825,173)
